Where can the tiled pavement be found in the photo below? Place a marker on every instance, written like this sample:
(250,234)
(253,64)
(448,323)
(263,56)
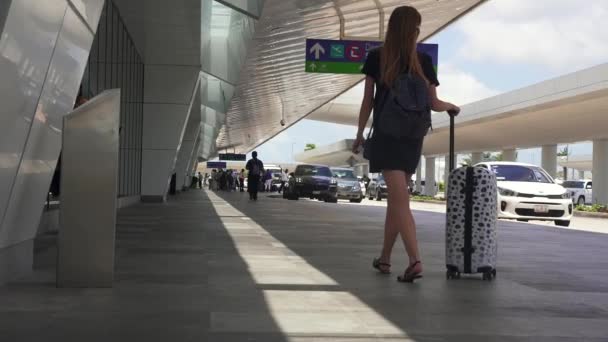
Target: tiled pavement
(216,267)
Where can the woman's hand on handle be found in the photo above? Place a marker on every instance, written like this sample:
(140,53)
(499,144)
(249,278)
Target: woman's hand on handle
(454,110)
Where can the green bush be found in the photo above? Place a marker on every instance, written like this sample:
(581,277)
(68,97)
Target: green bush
(425,198)
(441,187)
(596,208)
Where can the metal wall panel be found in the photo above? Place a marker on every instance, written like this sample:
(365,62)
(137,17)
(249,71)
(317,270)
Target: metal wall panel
(44,140)
(88,209)
(25,54)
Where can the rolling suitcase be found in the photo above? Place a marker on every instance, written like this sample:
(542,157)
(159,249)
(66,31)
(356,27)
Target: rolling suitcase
(470,219)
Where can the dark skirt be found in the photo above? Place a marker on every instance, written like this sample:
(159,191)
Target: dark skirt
(389,153)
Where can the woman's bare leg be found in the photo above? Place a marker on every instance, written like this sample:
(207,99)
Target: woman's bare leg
(399,215)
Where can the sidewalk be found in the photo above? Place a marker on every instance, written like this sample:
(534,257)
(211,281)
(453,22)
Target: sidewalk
(216,267)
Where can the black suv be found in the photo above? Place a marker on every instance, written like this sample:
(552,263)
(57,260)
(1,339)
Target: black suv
(313,181)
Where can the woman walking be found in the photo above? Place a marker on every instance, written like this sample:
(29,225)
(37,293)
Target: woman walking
(397,157)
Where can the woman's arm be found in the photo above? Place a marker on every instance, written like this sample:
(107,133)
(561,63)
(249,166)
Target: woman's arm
(438,105)
(366,105)
(365,111)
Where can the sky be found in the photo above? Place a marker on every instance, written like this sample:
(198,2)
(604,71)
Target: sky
(501,46)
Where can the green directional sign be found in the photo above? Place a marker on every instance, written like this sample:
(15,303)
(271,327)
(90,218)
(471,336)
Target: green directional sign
(334,67)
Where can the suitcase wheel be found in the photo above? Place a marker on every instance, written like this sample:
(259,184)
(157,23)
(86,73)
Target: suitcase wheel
(489,275)
(452,275)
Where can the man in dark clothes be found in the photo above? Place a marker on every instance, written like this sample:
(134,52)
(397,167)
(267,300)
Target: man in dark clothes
(255,168)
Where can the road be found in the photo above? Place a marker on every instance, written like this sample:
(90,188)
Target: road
(594,225)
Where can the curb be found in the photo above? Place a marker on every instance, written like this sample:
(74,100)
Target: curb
(591,215)
(429,201)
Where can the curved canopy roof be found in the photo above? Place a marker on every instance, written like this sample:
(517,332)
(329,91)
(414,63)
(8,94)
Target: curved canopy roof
(273,85)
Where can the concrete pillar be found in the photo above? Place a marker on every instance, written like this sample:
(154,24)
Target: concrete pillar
(429,177)
(510,155)
(168,97)
(476,157)
(188,143)
(446,169)
(581,174)
(192,163)
(600,171)
(549,159)
(418,187)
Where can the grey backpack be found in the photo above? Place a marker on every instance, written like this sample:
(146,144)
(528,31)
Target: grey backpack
(405,111)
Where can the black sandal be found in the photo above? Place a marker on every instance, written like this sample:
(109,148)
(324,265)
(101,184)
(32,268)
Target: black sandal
(410,275)
(377,264)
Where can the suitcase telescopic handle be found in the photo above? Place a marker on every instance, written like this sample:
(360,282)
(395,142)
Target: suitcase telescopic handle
(451,157)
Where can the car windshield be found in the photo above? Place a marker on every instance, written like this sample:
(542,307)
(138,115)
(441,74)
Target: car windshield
(518,173)
(380,178)
(314,171)
(573,185)
(344,174)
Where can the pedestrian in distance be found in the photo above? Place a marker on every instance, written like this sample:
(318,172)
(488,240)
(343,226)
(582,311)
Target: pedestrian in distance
(200,180)
(229,180)
(255,169)
(284,179)
(268,181)
(400,74)
(242,180)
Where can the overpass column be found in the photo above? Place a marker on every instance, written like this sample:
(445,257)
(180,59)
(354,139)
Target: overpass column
(549,159)
(418,187)
(581,174)
(365,168)
(446,169)
(476,157)
(429,177)
(509,155)
(600,171)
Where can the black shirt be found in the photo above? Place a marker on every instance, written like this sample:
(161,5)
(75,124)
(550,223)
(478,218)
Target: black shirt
(372,68)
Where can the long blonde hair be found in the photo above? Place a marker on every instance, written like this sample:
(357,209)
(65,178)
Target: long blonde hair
(399,51)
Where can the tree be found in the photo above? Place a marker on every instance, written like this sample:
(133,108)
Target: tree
(564,152)
(310,147)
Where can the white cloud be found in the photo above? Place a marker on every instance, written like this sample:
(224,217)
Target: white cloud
(460,87)
(563,35)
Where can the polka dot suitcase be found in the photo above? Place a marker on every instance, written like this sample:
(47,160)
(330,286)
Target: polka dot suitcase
(471,223)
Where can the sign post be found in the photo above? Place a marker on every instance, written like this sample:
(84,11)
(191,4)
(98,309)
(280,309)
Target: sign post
(348,56)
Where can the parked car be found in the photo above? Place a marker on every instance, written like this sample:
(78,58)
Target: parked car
(377,188)
(349,187)
(527,192)
(412,186)
(313,181)
(581,191)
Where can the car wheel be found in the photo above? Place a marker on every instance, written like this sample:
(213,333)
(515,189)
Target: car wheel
(562,223)
(581,200)
(378,197)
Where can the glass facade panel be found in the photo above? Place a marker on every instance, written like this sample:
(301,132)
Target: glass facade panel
(114,62)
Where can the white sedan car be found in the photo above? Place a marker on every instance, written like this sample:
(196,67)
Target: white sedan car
(527,192)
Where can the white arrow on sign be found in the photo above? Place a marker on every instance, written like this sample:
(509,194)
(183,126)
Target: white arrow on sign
(317,49)
(313,66)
